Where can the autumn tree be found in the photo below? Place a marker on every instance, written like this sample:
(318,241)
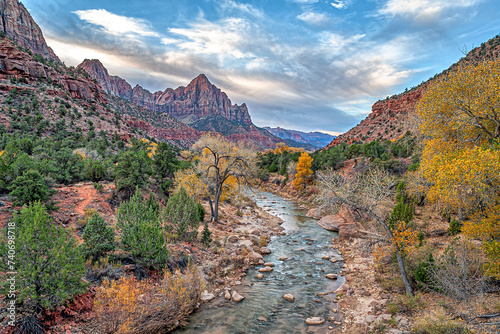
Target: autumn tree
(221,163)
(461,160)
(303,170)
(365,192)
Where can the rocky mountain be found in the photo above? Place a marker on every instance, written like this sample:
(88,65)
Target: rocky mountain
(394,116)
(316,139)
(17,24)
(200,98)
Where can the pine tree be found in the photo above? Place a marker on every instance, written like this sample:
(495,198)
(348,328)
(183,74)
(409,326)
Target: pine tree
(182,216)
(30,187)
(141,233)
(206,236)
(49,266)
(98,238)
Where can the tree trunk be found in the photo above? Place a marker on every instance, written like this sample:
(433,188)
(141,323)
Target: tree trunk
(216,206)
(404,276)
(211,209)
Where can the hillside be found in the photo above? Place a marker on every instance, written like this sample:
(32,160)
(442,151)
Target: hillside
(392,117)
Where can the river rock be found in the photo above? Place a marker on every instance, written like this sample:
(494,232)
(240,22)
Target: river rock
(325,257)
(269,264)
(265,269)
(237,297)
(254,257)
(206,296)
(264,250)
(334,260)
(315,321)
(331,276)
(289,297)
(227,295)
(331,222)
(314,213)
(259,276)
(233,239)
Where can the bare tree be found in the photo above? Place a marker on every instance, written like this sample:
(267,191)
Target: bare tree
(220,163)
(364,192)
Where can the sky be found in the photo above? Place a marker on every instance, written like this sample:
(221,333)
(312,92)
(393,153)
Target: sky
(309,65)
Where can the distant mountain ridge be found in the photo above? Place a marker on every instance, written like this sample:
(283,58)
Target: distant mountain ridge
(316,139)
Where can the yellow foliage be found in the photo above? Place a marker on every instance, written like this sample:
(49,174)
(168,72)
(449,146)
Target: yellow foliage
(486,227)
(404,239)
(191,182)
(282,147)
(131,306)
(303,170)
(151,147)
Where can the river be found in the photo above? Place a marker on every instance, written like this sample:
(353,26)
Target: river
(264,310)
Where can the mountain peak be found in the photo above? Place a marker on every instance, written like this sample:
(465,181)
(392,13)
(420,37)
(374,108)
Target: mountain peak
(200,80)
(17,24)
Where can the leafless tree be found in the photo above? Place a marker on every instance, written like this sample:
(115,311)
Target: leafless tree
(364,192)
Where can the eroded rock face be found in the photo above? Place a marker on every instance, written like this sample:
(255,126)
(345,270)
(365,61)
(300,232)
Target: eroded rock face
(18,24)
(198,99)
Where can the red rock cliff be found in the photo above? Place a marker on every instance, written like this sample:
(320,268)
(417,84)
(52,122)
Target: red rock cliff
(17,23)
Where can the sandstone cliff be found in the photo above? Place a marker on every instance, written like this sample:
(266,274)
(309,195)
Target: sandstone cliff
(198,99)
(17,24)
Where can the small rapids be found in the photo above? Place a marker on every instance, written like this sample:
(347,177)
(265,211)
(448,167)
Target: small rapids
(264,310)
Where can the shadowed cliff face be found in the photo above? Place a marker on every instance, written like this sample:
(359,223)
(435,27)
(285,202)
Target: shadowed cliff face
(17,23)
(198,99)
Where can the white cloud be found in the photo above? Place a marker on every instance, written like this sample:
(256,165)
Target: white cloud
(338,41)
(313,18)
(224,38)
(339,4)
(423,10)
(245,8)
(115,24)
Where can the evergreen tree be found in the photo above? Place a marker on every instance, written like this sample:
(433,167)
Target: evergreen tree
(30,187)
(141,233)
(205,236)
(181,216)
(404,209)
(98,238)
(48,265)
(133,170)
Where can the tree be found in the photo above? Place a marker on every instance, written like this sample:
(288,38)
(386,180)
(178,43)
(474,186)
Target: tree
(365,192)
(133,170)
(206,236)
(98,238)
(303,170)
(220,161)
(49,267)
(191,182)
(30,187)
(141,232)
(181,216)
(166,164)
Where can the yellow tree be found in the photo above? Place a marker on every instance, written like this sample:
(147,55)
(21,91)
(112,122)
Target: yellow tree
(221,166)
(191,182)
(461,160)
(303,170)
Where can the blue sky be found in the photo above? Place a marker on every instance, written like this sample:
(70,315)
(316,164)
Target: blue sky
(300,64)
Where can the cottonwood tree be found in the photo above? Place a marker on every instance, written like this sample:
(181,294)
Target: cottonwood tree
(303,170)
(364,192)
(222,163)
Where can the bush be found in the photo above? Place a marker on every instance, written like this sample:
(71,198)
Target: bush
(182,216)
(48,265)
(454,228)
(205,236)
(30,187)
(96,172)
(141,233)
(98,239)
(99,187)
(132,170)
(127,305)
(439,325)
(201,212)
(423,273)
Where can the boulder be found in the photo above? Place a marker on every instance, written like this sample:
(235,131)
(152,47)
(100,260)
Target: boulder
(237,297)
(259,276)
(206,296)
(264,250)
(315,321)
(331,223)
(314,213)
(350,230)
(331,276)
(269,264)
(265,269)
(254,258)
(227,295)
(289,297)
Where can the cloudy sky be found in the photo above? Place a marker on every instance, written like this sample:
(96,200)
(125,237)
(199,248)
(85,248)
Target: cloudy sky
(300,64)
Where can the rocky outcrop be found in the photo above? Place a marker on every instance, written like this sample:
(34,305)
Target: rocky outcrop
(17,24)
(15,63)
(198,99)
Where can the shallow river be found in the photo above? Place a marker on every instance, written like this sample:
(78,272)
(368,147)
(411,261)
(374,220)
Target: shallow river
(264,310)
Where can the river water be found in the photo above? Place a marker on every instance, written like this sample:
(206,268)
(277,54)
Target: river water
(264,310)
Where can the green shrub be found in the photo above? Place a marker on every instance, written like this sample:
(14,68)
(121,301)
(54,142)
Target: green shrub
(205,236)
(201,212)
(96,172)
(454,228)
(98,239)
(423,273)
(48,265)
(182,216)
(30,187)
(141,233)
(99,187)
